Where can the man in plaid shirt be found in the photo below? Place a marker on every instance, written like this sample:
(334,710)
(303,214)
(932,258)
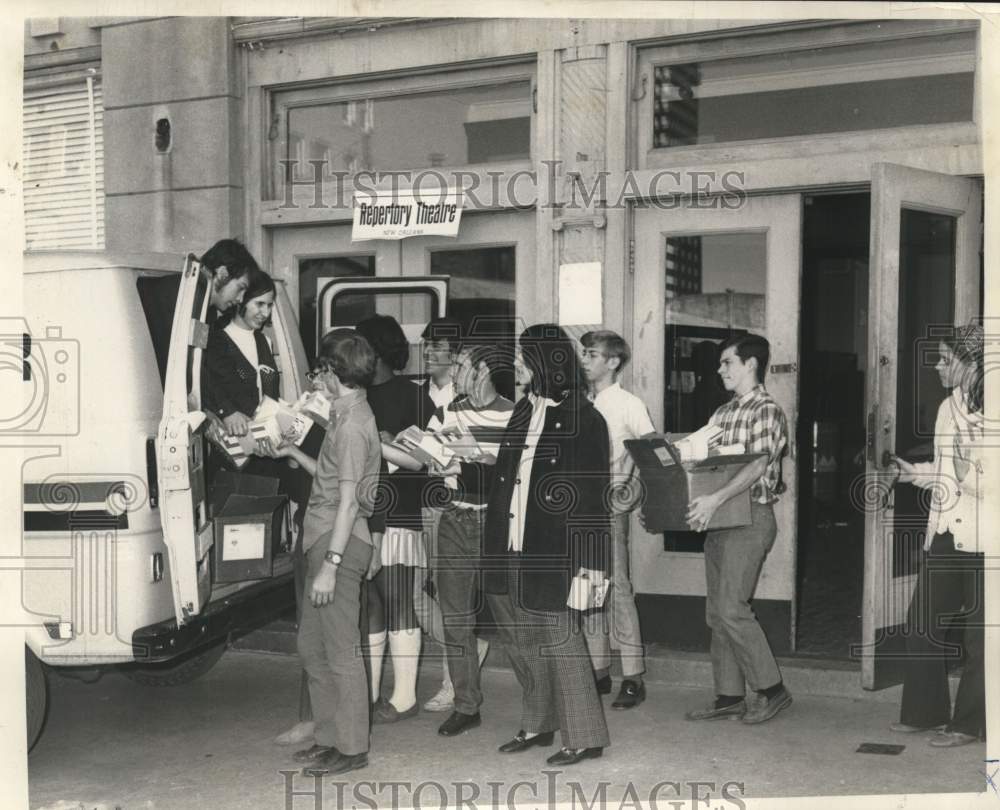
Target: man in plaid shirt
(734,557)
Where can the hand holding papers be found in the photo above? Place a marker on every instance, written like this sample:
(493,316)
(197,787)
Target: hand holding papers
(277,422)
(441,447)
(587,590)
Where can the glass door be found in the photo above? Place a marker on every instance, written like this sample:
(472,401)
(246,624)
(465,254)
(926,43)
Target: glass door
(924,279)
(702,273)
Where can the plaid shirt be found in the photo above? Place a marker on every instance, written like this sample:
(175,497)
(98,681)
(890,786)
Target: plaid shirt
(757,422)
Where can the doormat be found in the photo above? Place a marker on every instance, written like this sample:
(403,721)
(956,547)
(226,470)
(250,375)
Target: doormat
(879,748)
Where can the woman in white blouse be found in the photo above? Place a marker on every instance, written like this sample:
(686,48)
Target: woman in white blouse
(950,581)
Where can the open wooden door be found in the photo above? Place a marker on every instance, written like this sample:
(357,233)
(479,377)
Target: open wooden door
(924,277)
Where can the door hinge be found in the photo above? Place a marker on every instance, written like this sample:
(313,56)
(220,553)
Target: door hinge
(631,257)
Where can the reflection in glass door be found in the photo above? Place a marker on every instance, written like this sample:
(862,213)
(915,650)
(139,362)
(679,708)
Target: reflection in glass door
(714,287)
(701,274)
(324,267)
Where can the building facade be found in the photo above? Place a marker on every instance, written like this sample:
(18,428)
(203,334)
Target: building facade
(817,182)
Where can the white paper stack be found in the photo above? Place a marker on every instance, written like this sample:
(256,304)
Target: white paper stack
(696,446)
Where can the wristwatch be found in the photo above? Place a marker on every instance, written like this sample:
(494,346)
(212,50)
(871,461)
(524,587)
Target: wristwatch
(334,557)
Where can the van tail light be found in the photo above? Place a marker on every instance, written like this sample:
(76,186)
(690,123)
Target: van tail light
(152,480)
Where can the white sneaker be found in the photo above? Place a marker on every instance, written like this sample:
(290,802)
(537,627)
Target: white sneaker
(298,733)
(443,701)
(483,650)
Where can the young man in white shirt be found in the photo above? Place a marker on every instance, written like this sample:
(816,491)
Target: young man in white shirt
(605,354)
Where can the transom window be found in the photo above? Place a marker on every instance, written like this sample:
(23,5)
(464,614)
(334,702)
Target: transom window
(479,117)
(843,78)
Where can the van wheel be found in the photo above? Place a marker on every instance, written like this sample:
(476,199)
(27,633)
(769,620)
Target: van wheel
(36,689)
(179,670)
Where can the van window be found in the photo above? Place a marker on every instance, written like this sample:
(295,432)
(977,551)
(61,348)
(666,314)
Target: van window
(158,295)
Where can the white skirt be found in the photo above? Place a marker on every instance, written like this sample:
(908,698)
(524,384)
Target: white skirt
(404,547)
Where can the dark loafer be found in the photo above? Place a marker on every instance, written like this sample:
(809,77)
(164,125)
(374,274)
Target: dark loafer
(313,753)
(522,743)
(337,763)
(630,695)
(603,685)
(458,723)
(766,709)
(712,713)
(569,756)
(385,712)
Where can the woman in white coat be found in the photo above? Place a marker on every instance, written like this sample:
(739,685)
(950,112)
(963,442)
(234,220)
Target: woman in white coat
(950,581)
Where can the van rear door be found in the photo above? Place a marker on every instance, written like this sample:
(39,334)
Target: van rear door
(180,449)
(411,300)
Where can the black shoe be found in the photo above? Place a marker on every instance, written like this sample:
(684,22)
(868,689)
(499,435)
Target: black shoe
(314,753)
(457,723)
(604,685)
(522,743)
(569,756)
(631,695)
(338,763)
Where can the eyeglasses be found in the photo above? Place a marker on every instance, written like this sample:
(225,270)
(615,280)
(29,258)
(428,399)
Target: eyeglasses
(313,375)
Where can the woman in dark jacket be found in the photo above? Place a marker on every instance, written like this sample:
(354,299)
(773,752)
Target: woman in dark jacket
(548,520)
(239,363)
(239,370)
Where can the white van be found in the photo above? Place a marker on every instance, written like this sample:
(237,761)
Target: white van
(117,532)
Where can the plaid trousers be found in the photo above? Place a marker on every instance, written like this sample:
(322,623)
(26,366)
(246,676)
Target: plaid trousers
(557,680)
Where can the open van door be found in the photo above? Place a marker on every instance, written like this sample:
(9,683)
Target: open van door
(411,300)
(180,449)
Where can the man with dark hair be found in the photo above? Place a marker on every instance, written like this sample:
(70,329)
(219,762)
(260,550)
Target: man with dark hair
(442,338)
(734,557)
(228,261)
(337,545)
(480,411)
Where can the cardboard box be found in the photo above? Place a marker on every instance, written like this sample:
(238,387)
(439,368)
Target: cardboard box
(250,531)
(671,484)
(227,482)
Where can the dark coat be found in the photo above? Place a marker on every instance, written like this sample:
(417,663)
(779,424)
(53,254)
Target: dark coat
(229,382)
(567,524)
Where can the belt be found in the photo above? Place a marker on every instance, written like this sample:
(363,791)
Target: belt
(468,507)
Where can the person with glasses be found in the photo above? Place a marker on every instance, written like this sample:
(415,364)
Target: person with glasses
(338,549)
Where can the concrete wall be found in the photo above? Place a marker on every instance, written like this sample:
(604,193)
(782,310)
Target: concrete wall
(181,69)
(47,35)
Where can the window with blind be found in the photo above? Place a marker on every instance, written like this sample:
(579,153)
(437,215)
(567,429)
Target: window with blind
(63,164)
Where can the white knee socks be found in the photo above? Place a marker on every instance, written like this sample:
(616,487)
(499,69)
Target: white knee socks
(376,648)
(404,646)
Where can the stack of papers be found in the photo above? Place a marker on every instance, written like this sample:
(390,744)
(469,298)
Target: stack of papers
(695,446)
(279,422)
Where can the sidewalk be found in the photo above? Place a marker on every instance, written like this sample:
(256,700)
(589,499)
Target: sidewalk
(208,745)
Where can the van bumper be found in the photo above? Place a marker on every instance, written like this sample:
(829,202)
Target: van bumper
(244,610)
